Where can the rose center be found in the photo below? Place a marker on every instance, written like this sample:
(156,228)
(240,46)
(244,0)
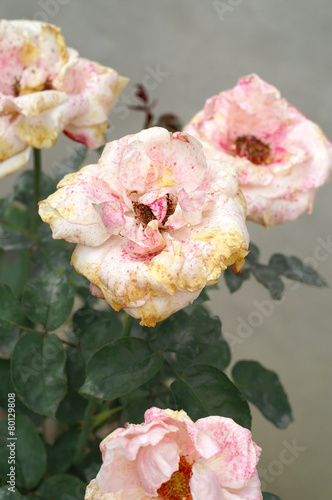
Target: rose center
(177,487)
(252,148)
(18,91)
(144,214)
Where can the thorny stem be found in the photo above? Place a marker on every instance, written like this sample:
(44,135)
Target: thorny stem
(127,324)
(86,428)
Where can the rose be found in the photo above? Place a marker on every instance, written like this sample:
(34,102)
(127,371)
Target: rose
(282,156)
(171,457)
(154,221)
(45,88)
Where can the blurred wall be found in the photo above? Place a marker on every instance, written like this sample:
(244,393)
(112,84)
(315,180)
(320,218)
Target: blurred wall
(197,51)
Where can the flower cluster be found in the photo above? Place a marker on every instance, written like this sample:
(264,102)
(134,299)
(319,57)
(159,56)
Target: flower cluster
(282,156)
(155,221)
(46,88)
(171,457)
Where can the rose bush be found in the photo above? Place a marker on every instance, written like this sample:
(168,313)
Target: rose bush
(154,221)
(282,156)
(46,88)
(171,457)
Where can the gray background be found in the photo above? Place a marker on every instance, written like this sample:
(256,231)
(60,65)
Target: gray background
(288,43)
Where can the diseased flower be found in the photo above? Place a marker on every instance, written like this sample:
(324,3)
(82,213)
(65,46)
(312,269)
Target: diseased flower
(46,88)
(154,221)
(171,457)
(282,156)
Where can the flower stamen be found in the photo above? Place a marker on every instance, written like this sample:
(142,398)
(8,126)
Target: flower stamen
(177,487)
(143,213)
(171,205)
(252,148)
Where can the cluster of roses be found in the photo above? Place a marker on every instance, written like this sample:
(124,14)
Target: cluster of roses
(156,220)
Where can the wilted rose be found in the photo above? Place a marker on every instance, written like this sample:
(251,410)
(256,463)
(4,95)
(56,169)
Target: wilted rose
(171,457)
(46,88)
(282,156)
(155,222)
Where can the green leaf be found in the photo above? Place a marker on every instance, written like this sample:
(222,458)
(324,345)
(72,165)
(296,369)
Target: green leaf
(87,296)
(7,387)
(263,388)
(48,300)
(72,408)
(293,269)
(203,297)
(61,486)
(60,456)
(15,240)
(253,255)
(52,254)
(205,390)
(75,367)
(95,329)
(91,463)
(270,496)
(15,269)
(234,280)
(9,495)
(13,232)
(135,408)
(10,313)
(29,450)
(38,372)
(24,187)
(120,367)
(270,279)
(190,333)
(71,163)
(5,204)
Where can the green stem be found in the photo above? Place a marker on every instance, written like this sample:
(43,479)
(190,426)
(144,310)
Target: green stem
(21,327)
(83,439)
(178,375)
(127,324)
(17,228)
(37,172)
(104,416)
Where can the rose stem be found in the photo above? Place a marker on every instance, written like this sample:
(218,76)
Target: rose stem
(127,324)
(37,171)
(84,436)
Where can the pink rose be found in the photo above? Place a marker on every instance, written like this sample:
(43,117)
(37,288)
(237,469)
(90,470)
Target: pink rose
(171,457)
(154,221)
(282,156)
(45,88)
